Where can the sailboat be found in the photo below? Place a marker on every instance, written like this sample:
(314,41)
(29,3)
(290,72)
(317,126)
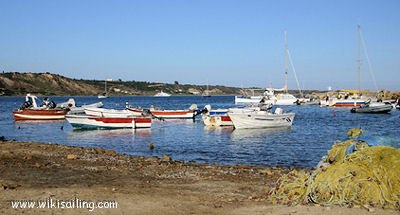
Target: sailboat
(269,96)
(356,100)
(206,93)
(105,94)
(369,106)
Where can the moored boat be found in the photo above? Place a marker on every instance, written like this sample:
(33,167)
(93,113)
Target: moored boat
(103,112)
(39,114)
(169,114)
(260,117)
(216,117)
(162,94)
(92,122)
(374,107)
(31,111)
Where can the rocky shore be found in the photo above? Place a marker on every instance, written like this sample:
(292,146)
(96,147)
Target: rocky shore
(37,171)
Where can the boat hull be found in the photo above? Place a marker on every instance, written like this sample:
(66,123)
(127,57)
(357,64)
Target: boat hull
(89,122)
(39,114)
(103,112)
(347,103)
(260,119)
(216,120)
(373,109)
(168,114)
(256,100)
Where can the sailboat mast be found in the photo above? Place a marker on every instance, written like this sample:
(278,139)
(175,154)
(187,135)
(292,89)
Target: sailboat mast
(286,64)
(358,60)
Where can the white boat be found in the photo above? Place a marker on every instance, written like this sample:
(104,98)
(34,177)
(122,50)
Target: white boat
(103,112)
(91,122)
(373,107)
(216,117)
(162,94)
(169,114)
(260,117)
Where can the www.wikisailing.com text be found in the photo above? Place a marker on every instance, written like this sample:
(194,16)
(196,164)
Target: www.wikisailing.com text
(51,203)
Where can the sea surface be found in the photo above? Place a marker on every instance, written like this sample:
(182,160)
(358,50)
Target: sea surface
(314,131)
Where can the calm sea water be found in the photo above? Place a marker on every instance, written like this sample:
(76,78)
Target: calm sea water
(314,131)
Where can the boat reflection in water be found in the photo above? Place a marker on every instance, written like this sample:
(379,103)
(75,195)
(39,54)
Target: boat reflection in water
(263,133)
(219,129)
(90,135)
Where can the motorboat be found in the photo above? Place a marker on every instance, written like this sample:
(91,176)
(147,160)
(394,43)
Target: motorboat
(162,94)
(30,110)
(215,117)
(93,122)
(260,117)
(373,107)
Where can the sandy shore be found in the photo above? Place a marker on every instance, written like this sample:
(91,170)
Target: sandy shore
(36,171)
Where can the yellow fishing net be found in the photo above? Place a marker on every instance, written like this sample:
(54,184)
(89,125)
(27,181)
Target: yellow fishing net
(365,176)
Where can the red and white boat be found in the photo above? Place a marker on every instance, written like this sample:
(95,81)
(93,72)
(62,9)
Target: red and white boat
(216,117)
(31,111)
(93,122)
(169,114)
(39,114)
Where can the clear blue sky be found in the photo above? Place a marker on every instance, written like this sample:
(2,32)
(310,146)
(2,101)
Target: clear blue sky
(226,42)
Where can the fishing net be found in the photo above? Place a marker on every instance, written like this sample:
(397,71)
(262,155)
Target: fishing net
(351,173)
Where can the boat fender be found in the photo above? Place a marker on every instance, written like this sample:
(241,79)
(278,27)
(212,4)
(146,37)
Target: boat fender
(193,107)
(278,111)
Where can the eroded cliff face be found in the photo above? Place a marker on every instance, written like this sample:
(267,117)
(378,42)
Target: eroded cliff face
(15,83)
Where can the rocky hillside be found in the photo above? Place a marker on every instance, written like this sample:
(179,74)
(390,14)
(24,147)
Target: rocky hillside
(15,83)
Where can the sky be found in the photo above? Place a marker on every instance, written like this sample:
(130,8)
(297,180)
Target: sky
(215,42)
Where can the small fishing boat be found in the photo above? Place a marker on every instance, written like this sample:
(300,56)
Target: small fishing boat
(347,102)
(373,107)
(216,117)
(31,111)
(93,122)
(260,117)
(169,114)
(39,114)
